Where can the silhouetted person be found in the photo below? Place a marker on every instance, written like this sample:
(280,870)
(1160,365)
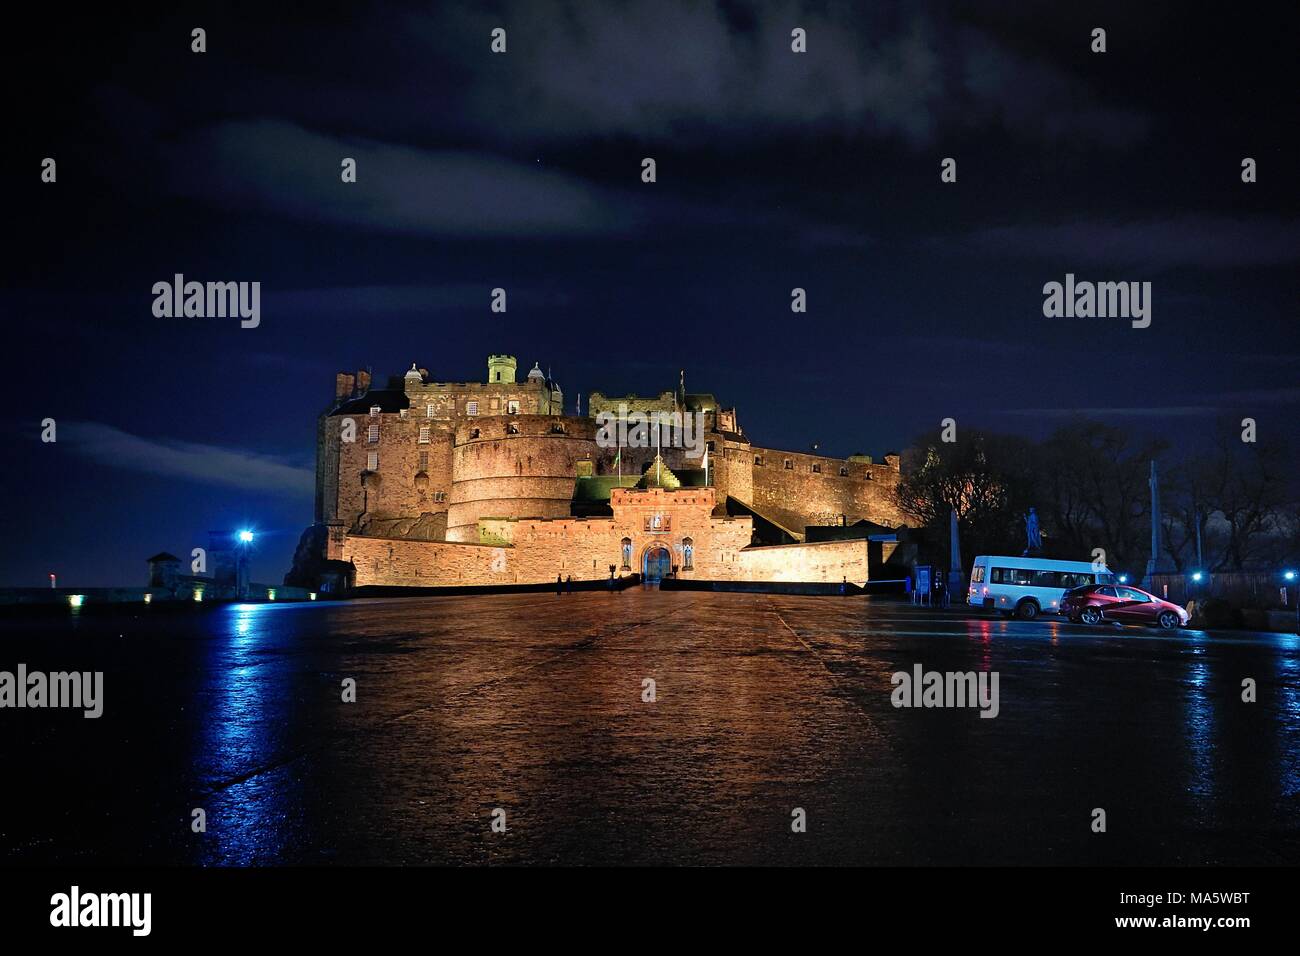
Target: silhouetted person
(568,584)
(559,584)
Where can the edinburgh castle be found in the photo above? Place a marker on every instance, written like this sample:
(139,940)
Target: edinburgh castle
(425,484)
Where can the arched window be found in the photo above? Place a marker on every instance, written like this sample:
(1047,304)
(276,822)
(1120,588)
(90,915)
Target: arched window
(627,554)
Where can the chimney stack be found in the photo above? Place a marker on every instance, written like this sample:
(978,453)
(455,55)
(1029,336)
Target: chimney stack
(343,385)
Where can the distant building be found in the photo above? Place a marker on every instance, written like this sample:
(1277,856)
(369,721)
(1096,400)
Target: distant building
(425,484)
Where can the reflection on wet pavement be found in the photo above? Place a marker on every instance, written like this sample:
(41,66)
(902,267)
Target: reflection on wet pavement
(533,703)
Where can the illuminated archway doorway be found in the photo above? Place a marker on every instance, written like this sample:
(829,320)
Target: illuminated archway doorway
(656,563)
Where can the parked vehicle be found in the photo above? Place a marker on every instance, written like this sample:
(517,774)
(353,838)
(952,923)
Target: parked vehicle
(1028,587)
(1122,604)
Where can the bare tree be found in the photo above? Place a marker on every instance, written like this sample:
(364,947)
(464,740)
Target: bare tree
(1243,493)
(1093,481)
(983,477)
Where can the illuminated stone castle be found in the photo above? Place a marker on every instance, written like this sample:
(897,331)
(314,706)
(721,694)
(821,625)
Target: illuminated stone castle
(452,484)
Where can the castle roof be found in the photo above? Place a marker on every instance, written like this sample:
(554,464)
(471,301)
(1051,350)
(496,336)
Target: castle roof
(388,400)
(659,475)
(163,556)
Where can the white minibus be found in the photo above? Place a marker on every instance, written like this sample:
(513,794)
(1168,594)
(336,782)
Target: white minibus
(1028,587)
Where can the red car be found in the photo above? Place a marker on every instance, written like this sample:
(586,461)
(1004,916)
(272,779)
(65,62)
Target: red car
(1122,604)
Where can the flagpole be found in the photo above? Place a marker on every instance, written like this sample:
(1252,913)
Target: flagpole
(658,457)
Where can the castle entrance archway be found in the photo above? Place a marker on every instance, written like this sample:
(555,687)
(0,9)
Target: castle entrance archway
(656,564)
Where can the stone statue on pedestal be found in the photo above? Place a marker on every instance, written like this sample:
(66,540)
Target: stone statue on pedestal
(1033,536)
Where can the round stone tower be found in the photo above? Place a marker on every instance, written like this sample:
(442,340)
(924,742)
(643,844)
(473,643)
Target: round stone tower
(501,369)
(515,466)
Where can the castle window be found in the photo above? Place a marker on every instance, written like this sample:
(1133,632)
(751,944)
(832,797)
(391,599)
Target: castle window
(473,433)
(373,433)
(372,461)
(471,408)
(440,496)
(758,460)
(374,411)
(401,413)
(789,465)
(557,429)
(424,461)
(817,469)
(869,476)
(688,554)
(424,436)
(512,408)
(428,410)
(844,472)
(512,428)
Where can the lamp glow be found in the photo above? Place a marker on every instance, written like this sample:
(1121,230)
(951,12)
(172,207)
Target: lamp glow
(1123,579)
(1196,576)
(245,536)
(76,600)
(1289,575)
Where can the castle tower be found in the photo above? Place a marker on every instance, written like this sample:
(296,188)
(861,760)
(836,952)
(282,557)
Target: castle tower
(501,369)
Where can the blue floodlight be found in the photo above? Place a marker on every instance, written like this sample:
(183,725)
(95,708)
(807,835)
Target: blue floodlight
(1289,575)
(246,536)
(1123,579)
(1196,576)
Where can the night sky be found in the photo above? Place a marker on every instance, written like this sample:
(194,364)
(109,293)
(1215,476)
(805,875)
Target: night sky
(522,170)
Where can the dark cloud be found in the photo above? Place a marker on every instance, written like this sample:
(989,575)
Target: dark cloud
(277,166)
(1163,243)
(187,461)
(684,71)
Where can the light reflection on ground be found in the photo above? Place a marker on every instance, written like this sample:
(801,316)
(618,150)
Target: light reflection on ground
(765,703)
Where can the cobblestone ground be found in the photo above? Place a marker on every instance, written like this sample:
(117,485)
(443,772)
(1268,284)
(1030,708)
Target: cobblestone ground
(533,704)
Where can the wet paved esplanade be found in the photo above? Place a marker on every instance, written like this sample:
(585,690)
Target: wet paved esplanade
(533,703)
